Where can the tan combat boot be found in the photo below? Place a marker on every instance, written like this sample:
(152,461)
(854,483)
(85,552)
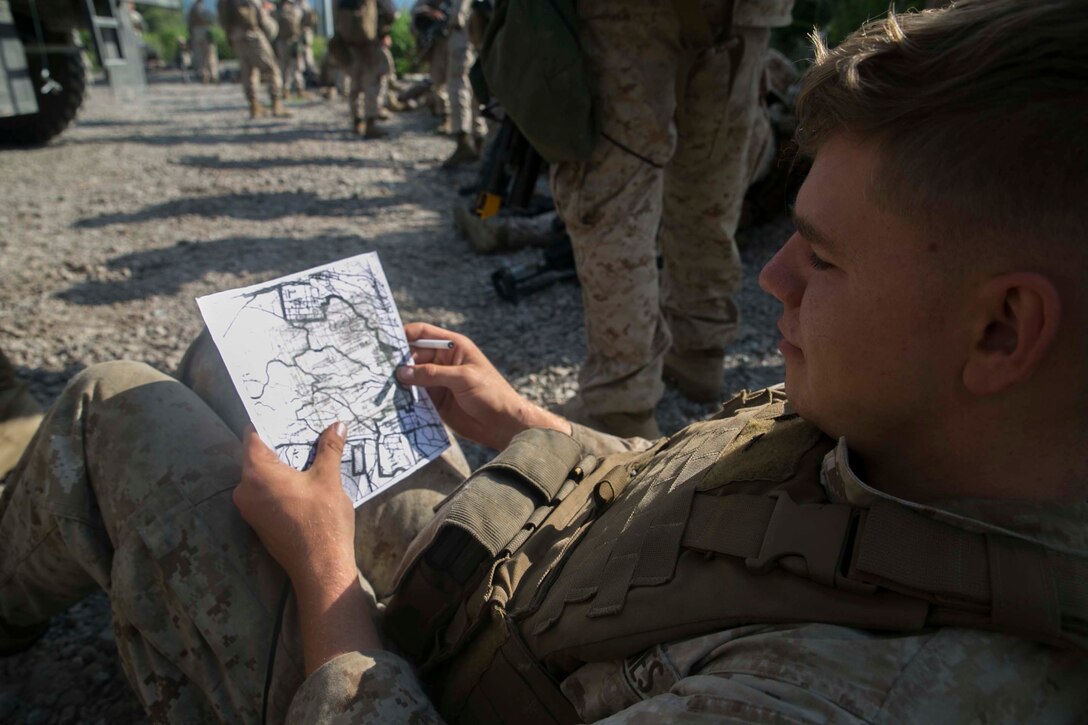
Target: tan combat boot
(19,417)
(465,153)
(358,125)
(445,127)
(697,374)
(372,130)
(640,424)
(256,110)
(278,110)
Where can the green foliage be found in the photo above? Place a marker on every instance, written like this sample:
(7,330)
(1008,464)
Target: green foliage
(321,44)
(834,19)
(219,36)
(162,29)
(404,44)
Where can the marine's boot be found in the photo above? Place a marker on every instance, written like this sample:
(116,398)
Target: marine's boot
(20,415)
(697,374)
(256,110)
(638,424)
(383,115)
(465,153)
(445,126)
(372,130)
(278,110)
(358,125)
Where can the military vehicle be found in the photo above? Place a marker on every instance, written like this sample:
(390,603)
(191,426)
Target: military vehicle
(43,68)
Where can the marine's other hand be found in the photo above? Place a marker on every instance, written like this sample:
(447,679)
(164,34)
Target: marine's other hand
(303,518)
(472,397)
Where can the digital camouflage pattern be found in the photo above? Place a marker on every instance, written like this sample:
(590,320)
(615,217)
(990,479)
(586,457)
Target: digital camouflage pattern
(776,673)
(248,27)
(127,486)
(663,175)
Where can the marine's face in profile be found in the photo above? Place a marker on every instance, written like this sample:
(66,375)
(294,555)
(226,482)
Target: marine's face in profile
(869,314)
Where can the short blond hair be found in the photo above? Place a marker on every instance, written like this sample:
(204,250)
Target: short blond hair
(980,112)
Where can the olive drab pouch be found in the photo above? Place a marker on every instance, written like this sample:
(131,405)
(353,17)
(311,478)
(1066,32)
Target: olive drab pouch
(533,64)
(495,509)
(356,21)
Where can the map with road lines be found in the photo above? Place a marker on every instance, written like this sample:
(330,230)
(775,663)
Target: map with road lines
(321,346)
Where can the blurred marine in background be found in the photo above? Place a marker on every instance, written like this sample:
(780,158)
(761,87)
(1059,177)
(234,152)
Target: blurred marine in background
(202,45)
(249,28)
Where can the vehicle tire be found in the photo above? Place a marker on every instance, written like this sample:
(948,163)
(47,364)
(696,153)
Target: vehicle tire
(55,110)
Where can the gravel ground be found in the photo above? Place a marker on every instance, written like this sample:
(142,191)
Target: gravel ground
(110,232)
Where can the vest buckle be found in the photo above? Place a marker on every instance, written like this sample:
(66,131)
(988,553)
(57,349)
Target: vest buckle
(816,533)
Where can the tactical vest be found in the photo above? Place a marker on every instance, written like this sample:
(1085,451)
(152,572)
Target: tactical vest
(546,559)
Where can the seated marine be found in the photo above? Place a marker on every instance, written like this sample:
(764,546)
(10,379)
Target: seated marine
(898,535)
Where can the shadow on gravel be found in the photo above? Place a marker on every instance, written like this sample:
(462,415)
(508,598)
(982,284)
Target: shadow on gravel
(158,272)
(246,134)
(262,206)
(215,162)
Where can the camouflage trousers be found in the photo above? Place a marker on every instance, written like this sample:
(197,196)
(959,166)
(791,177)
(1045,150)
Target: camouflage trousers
(669,173)
(127,487)
(439,67)
(256,62)
(464,116)
(292,66)
(369,72)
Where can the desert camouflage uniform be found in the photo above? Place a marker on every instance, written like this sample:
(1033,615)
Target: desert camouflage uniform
(205,54)
(255,57)
(369,69)
(663,175)
(289,47)
(438,60)
(788,673)
(127,486)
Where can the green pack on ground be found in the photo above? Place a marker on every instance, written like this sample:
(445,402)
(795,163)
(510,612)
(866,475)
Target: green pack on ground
(532,62)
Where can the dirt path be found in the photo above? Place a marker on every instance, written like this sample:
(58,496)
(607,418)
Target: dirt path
(107,235)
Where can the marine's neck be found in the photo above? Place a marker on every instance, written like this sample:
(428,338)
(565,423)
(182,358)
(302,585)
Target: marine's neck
(1026,460)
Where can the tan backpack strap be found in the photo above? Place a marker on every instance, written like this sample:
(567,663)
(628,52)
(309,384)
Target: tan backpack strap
(1014,579)
(763,530)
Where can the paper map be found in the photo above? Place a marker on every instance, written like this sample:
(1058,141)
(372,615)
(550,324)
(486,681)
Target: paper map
(321,346)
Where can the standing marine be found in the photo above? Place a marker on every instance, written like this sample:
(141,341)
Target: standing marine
(677,87)
(202,45)
(291,17)
(249,27)
(363,26)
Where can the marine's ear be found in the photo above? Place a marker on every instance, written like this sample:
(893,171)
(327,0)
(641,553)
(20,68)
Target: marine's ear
(1013,326)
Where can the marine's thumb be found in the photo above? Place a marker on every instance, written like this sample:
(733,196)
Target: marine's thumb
(330,449)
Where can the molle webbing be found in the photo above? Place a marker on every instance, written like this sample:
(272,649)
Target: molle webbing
(491,514)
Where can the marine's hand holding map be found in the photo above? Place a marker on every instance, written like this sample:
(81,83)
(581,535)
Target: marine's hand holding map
(319,347)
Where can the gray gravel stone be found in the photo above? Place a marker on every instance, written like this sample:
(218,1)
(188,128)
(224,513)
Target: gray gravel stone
(110,232)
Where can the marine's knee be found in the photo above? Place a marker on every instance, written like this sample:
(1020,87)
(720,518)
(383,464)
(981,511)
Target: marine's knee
(109,378)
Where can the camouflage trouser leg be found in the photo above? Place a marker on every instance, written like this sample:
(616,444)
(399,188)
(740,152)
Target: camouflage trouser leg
(440,62)
(463,116)
(291,65)
(612,203)
(643,177)
(257,61)
(367,80)
(127,487)
(721,139)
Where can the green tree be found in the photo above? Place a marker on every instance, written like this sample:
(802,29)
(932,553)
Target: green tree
(403,45)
